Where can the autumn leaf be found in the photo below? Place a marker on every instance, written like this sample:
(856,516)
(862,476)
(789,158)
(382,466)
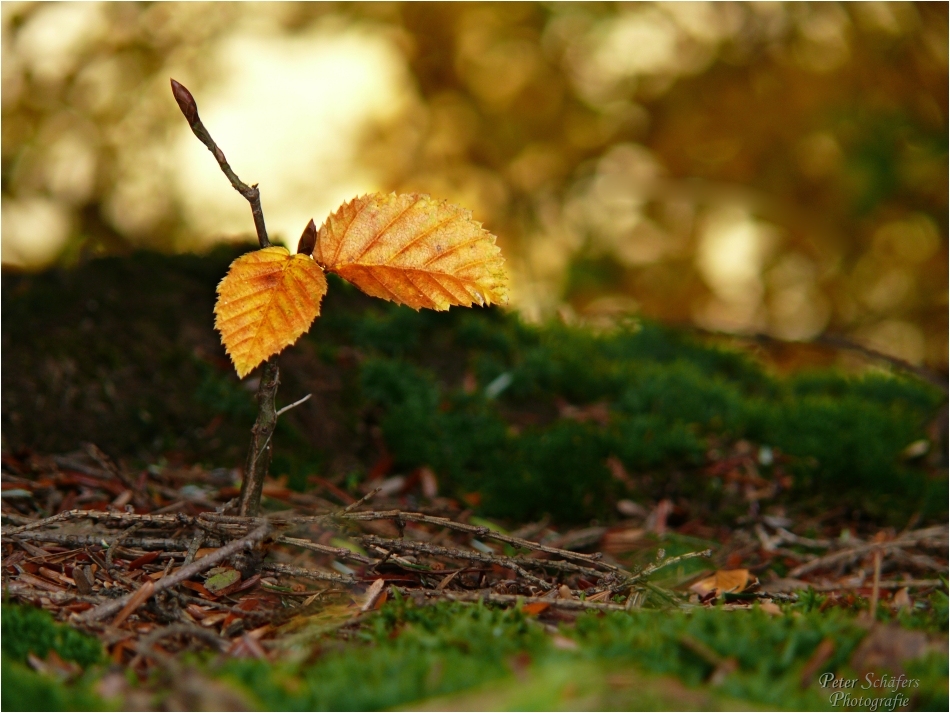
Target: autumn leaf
(724,581)
(535,608)
(221,578)
(265,302)
(413,250)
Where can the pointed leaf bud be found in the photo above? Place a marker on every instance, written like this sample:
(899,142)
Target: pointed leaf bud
(308,240)
(186,102)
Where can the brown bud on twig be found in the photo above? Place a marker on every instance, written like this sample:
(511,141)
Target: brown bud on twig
(186,102)
(308,240)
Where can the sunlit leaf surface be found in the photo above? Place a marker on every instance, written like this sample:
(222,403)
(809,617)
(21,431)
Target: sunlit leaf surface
(267,300)
(413,250)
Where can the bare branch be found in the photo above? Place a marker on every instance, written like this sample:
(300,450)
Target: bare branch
(182,574)
(295,404)
(188,106)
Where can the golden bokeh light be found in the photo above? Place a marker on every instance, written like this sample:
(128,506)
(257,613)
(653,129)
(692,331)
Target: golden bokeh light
(776,167)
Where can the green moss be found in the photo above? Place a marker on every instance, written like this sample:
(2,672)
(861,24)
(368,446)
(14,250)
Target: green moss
(769,651)
(410,653)
(932,671)
(665,398)
(25,690)
(929,614)
(29,630)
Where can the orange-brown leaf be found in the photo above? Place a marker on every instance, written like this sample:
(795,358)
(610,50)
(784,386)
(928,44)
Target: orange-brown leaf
(265,302)
(413,250)
(535,608)
(724,581)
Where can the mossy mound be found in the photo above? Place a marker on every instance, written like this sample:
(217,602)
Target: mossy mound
(411,653)
(25,631)
(521,419)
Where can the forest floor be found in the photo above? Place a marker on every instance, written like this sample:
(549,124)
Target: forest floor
(469,513)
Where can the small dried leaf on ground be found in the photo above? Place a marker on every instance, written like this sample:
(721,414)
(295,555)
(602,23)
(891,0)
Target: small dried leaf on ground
(888,646)
(722,582)
(413,250)
(221,578)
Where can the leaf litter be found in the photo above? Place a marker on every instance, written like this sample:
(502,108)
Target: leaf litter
(327,570)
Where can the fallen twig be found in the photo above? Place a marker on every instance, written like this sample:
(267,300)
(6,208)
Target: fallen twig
(310,573)
(933,536)
(182,574)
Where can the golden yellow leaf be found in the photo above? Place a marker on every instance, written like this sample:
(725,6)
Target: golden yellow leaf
(724,581)
(265,302)
(413,250)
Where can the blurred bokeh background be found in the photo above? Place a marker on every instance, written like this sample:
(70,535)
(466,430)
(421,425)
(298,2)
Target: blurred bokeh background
(745,167)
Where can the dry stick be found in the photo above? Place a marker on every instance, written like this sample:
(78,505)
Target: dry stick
(920,371)
(117,539)
(291,571)
(532,562)
(163,544)
(352,506)
(193,548)
(909,583)
(876,591)
(516,563)
(390,556)
(339,552)
(485,533)
(575,604)
(176,519)
(182,574)
(94,452)
(295,404)
(176,630)
(25,592)
(838,342)
(650,569)
(72,464)
(218,605)
(258,457)
(144,648)
(188,106)
(17,519)
(935,535)
(592,560)
(138,598)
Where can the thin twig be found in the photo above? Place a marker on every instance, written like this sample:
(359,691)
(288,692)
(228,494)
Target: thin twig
(176,519)
(592,560)
(295,404)
(291,571)
(219,555)
(258,458)
(164,544)
(188,106)
(937,536)
(651,568)
(352,506)
(514,563)
(339,552)
(473,556)
(484,533)
(117,539)
(837,342)
(876,587)
(57,597)
(193,548)
(573,604)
